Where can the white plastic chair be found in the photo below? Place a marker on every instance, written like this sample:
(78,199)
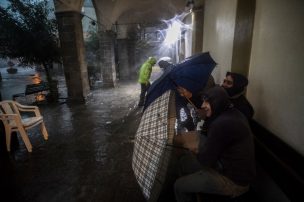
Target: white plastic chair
(10,114)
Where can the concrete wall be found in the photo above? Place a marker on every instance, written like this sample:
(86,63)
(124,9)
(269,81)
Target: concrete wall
(276,61)
(276,69)
(219,24)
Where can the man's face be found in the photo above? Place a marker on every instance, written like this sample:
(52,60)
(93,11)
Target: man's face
(207,108)
(228,82)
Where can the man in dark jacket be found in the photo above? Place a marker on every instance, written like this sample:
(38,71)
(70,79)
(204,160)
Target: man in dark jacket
(235,85)
(222,162)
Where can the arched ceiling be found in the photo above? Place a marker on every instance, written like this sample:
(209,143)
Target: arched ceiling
(136,11)
(128,11)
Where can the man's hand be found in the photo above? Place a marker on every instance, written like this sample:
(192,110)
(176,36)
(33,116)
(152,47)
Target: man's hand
(189,140)
(184,92)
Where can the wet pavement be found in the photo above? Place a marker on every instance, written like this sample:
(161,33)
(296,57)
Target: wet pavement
(88,154)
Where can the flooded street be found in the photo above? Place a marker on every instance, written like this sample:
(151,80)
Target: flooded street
(15,83)
(89,151)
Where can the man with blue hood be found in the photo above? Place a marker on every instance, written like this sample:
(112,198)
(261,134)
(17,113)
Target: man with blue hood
(223,161)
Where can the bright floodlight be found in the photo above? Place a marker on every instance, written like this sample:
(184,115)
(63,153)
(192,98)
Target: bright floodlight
(173,33)
(175,28)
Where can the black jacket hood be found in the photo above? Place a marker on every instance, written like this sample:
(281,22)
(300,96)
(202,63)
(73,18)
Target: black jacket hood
(164,64)
(218,100)
(240,82)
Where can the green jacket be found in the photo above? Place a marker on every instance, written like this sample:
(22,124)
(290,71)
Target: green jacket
(145,71)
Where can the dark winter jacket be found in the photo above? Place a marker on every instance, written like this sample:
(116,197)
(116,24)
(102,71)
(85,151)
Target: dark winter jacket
(229,140)
(164,64)
(242,104)
(236,94)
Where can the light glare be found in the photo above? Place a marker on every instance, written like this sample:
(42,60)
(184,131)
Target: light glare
(173,33)
(175,29)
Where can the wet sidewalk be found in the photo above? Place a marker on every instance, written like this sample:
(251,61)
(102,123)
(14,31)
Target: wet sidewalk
(88,154)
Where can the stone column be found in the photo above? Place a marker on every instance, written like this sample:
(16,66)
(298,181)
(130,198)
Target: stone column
(107,58)
(131,59)
(198,29)
(243,36)
(126,55)
(123,59)
(72,47)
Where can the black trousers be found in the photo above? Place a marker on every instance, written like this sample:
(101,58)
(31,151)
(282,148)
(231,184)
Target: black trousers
(143,92)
